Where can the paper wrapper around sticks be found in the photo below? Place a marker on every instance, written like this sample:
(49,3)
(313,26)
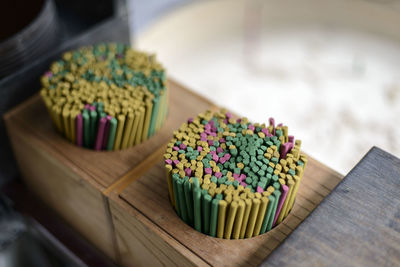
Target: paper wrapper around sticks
(106,97)
(230,178)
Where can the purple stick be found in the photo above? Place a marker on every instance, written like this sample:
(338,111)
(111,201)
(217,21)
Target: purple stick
(100,133)
(79,129)
(285,190)
(272,122)
(285,148)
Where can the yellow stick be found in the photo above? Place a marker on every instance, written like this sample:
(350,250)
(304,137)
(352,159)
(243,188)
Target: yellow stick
(134,129)
(238,220)
(168,169)
(261,214)
(149,108)
(246,216)
(230,219)
(221,218)
(120,128)
(58,116)
(297,180)
(253,217)
(72,118)
(160,111)
(65,119)
(128,130)
(140,128)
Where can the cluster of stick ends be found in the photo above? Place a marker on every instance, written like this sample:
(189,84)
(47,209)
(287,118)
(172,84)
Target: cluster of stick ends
(106,97)
(232,179)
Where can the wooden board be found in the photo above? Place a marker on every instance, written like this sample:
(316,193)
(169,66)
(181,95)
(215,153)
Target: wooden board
(119,200)
(71,179)
(148,196)
(358,224)
(68,193)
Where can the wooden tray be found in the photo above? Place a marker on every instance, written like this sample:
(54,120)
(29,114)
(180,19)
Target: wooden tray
(119,202)
(146,199)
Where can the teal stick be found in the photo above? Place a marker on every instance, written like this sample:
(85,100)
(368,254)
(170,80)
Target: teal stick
(181,196)
(111,134)
(277,194)
(153,121)
(187,186)
(214,217)
(93,127)
(267,216)
(197,208)
(100,107)
(206,208)
(175,178)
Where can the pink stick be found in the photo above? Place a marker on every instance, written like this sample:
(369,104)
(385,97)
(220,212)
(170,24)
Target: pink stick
(100,133)
(106,132)
(79,129)
(285,190)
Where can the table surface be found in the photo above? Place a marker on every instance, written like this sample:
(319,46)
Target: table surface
(358,224)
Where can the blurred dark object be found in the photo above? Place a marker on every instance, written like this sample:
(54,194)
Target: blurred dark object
(78,15)
(30,228)
(24,242)
(74,31)
(16,18)
(25,33)
(91,11)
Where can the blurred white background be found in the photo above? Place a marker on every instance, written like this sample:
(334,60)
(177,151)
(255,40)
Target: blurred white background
(327,69)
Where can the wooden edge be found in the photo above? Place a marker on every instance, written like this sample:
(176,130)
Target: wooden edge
(106,202)
(21,127)
(169,240)
(13,111)
(135,172)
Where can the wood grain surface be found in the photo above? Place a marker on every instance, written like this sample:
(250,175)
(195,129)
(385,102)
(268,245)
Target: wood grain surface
(70,193)
(119,200)
(358,224)
(148,195)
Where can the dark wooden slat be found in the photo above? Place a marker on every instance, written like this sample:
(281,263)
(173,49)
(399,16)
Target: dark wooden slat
(358,224)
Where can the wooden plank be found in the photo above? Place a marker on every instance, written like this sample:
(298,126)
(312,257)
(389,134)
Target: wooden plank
(71,179)
(50,176)
(108,167)
(358,224)
(134,216)
(141,243)
(149,195)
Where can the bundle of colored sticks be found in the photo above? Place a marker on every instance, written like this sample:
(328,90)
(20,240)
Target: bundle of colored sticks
(232,179)
(106,96)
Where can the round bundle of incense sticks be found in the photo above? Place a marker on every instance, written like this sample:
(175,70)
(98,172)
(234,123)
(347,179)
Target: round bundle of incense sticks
(232,179)
(106,96)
